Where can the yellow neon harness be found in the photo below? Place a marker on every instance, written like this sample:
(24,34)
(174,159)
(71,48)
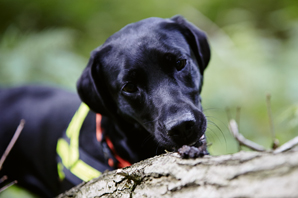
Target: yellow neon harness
(68,151)
(71,165)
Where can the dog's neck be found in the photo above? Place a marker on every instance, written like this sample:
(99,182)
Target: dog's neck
(131,141)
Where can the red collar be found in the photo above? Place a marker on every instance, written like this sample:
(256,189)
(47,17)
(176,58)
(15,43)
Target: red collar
(99,135)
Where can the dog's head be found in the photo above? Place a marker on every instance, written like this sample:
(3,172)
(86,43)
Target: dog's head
(150,73)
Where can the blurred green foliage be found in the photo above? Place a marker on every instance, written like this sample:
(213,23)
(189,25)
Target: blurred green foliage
(254,52)
(16,192)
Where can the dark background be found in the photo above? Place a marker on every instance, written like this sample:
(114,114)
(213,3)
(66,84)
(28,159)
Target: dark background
(254,52)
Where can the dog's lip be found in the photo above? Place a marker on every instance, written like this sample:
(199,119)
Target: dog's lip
(202,138)
(200,141)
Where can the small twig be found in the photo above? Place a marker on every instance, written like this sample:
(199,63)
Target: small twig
(8,185)
(275,142)
(287,146)
(242,140)
(230,118)
(12,142)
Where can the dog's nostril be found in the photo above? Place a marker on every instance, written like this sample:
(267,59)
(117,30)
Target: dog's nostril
(181,129)
(189,125)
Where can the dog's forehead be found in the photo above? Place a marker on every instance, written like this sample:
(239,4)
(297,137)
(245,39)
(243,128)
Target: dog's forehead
(143,42)
(146,35)
(139,29)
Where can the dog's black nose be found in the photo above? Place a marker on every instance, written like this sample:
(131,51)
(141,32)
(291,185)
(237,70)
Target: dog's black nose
(181,129)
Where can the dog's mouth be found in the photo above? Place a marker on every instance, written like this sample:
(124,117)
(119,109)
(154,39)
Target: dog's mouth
(196,144)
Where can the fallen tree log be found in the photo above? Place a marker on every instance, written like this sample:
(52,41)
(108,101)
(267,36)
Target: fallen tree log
(244,174)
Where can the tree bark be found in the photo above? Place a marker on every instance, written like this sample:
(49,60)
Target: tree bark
(244,174)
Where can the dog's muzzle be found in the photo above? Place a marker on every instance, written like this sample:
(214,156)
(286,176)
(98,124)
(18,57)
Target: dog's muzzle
(186,129)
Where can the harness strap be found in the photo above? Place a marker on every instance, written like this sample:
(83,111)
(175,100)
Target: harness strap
(72,161)
(101,137)
(69,151)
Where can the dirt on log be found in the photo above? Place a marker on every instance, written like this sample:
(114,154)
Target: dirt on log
(244,174)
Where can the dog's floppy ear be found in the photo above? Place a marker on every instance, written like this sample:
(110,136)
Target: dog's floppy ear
(197,40)
(87,88)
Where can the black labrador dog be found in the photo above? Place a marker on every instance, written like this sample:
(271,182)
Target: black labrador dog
(143,89)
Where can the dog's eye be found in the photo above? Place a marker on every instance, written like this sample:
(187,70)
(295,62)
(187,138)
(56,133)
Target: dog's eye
(180,64)
(130,88)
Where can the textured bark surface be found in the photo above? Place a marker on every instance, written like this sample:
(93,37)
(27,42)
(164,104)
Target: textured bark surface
(244,174)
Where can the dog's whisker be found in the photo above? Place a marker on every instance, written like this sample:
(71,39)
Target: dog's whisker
(223,123)
(214,124)
(214,133)
(219,129)
(210,109)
